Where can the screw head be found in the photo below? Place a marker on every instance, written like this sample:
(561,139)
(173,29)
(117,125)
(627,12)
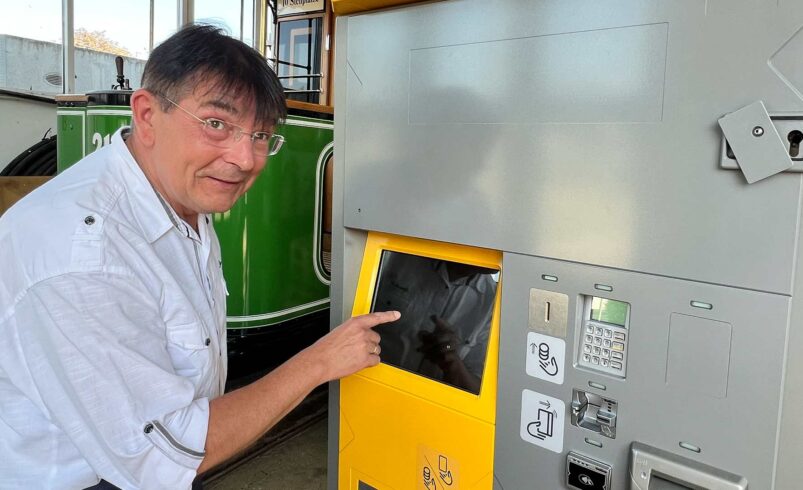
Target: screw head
(758,131)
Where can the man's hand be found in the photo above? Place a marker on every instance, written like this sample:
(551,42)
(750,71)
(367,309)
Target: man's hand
(351,346)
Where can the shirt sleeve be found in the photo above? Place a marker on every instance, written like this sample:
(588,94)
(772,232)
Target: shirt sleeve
(95,357)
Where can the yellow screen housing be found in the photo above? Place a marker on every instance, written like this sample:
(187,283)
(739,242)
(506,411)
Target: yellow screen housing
(400,430)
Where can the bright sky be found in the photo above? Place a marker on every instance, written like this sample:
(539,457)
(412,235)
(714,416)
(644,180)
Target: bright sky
(126,23)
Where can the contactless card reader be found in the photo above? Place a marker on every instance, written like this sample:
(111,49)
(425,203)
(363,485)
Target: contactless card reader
(587,474)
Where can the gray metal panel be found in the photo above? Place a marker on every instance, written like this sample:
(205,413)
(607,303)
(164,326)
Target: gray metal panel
(649,410)
(619,185)
(698,355)
(347,246)
(338,285)
(790,428)
(626,64)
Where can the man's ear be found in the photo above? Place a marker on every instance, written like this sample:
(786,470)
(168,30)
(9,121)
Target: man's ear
(145,109)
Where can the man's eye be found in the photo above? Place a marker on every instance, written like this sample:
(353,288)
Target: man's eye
(261,137)
(216,124)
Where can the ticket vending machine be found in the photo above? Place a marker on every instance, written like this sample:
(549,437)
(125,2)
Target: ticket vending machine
(431,403)
(635,168)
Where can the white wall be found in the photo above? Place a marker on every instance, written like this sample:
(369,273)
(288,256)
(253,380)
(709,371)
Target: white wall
(23,123)
(26,63)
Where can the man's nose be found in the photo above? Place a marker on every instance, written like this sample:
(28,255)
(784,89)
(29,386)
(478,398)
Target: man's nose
(241,152)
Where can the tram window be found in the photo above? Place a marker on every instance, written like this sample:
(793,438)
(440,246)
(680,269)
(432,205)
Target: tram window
(104,31)
(165,13)
(298,60)
(30,46)
(222,13)
(446,310)
(326,219)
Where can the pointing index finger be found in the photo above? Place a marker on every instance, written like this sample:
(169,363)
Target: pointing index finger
(379,317)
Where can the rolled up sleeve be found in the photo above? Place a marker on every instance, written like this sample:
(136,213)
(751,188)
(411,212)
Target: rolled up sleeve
(90,350)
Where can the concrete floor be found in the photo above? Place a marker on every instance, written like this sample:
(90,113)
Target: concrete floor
(298,463)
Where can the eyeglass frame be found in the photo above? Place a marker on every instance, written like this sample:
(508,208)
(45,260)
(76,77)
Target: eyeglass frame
(240,130)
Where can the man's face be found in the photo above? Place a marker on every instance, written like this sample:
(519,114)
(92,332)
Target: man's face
(194,173)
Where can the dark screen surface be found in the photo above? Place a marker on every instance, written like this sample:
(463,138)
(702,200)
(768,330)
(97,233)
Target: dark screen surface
(446,309)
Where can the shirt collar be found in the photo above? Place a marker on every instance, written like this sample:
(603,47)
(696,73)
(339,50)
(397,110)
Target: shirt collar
(151,211)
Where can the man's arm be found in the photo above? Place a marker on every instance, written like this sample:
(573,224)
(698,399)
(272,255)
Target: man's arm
(237,419)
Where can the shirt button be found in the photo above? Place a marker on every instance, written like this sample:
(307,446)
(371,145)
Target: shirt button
(208,341)
(148,428)
(90,220)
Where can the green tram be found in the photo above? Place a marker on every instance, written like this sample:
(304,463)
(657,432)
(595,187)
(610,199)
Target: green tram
(275,242)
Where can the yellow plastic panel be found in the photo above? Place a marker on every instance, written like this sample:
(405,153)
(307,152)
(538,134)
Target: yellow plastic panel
(344,7)
(399,430)
(393,431)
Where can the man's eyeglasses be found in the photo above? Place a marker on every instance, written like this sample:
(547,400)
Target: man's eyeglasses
(225,134)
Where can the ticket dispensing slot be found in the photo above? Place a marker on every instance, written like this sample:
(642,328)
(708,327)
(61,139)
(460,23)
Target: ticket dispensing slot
(654,469)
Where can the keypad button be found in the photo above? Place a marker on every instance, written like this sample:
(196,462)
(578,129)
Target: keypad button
(586,348)
(606,352)
(590,328)
(616,355)
(597,351)
(586,358)
(608,333)
(589,338)
(595,360)
(619,335)
(604,362)
(618,346)
(616,365)
(607,343)
(597,341)
(599,331)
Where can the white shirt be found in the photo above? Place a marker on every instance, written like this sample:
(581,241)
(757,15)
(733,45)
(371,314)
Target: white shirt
(112,332)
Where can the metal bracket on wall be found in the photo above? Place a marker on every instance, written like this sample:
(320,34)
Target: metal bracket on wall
(760,144)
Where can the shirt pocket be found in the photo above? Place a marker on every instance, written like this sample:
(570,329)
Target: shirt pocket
(188,346)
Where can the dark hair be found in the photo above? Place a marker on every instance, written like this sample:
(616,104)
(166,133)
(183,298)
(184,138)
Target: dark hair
(202,53)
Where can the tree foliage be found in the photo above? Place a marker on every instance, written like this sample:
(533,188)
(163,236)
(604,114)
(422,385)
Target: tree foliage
(98,41)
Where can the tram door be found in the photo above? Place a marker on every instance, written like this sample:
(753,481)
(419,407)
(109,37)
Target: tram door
(303,43)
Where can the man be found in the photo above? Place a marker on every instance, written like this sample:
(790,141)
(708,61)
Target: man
(112,303)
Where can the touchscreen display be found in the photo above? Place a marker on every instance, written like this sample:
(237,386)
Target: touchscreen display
(446,310)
